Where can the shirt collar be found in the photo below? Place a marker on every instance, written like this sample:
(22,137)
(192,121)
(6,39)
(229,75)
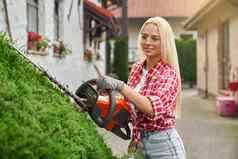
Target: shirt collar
(152,70)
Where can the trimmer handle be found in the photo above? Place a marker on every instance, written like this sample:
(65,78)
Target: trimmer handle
(120,133)
(95,114)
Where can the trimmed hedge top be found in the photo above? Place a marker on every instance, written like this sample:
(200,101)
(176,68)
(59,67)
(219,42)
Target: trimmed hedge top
(37,120)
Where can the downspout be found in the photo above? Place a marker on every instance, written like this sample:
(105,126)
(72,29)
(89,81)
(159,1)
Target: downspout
(206,65)
(7,19)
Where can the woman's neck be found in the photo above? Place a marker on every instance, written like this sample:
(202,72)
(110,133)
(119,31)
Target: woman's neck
(151,62)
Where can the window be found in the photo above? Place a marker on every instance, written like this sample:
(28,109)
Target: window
(32,16)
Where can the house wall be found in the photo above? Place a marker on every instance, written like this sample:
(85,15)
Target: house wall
(71,70)
(17,19)
(234,41)
(209,24)
(3,26)
(206,43)
(201,61)
(212,60)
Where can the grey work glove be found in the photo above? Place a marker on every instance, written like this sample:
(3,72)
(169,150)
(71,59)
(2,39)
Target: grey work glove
(106,82)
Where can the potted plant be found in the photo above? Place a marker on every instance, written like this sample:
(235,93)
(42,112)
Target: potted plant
(60,49)
(88,55)
(37,44)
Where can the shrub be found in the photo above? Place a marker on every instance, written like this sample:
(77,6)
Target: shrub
(120,63)
(187,60)
(37,120)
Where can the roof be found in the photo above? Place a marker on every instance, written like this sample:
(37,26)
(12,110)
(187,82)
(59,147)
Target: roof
(97,9)
(205,7)
(168,8)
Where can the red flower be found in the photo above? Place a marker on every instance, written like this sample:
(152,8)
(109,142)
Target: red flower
(32,36)
(233,86)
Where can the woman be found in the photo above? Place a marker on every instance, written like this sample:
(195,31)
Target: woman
(154,89)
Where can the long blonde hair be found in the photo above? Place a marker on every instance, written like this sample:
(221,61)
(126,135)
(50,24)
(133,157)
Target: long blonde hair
(168,51)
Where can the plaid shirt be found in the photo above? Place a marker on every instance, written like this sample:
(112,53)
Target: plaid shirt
(160,87)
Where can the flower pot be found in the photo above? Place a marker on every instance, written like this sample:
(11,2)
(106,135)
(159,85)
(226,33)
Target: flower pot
(225,106)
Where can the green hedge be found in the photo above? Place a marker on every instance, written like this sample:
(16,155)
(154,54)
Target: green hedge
(108,58)
(120,63)
(37,121)
(187,60)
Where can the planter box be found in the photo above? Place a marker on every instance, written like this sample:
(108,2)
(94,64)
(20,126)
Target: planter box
(225,106)
(42,52)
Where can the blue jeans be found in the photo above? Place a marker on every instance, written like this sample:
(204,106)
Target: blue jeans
(165,144)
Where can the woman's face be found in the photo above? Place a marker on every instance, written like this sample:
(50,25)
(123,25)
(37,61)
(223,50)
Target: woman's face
(150,40)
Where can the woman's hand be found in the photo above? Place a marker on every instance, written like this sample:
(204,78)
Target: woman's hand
(106,82)
(133,146)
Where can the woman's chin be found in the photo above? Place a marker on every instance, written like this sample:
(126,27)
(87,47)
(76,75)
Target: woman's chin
(148,53)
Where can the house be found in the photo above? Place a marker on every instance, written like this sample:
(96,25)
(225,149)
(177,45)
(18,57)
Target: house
(176,12)
(216,22)
(80,24)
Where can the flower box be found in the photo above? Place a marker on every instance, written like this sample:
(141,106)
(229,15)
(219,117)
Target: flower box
(36,44)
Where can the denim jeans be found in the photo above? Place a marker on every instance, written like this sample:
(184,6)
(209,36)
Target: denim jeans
(165,144)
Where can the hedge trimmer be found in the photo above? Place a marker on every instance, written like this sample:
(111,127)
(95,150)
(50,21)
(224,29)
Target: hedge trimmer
(105,110)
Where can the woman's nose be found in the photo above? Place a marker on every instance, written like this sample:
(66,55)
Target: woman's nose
(148,41)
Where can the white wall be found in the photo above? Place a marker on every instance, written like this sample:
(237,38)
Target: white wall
(17,14)
(72,69)
(2,18)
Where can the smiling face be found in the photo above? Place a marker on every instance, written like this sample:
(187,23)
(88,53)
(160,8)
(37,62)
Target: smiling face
(150,41)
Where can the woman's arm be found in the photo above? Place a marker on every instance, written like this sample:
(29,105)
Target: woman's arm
(141,102)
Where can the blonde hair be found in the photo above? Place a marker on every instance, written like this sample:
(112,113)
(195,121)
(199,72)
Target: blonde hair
(168,51)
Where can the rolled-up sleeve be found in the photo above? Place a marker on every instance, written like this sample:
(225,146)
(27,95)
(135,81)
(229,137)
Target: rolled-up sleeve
(163,95)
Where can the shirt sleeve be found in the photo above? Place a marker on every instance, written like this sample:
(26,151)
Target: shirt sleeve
(163,96)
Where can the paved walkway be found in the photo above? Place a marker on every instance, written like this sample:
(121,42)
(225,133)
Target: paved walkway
(206,135)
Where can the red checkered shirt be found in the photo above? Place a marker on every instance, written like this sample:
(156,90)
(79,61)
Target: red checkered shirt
(160,87)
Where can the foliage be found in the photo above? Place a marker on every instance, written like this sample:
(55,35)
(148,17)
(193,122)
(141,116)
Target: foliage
(120,63)
(37,120)
(187,59)
(42,44)
(36,41)
(60,48)
(108,58)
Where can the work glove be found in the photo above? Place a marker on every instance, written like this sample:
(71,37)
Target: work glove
(106,82)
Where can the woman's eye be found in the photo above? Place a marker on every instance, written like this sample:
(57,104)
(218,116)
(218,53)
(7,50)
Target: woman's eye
(143,37)
(155,39)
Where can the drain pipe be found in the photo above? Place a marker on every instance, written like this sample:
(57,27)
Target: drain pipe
(7,19)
